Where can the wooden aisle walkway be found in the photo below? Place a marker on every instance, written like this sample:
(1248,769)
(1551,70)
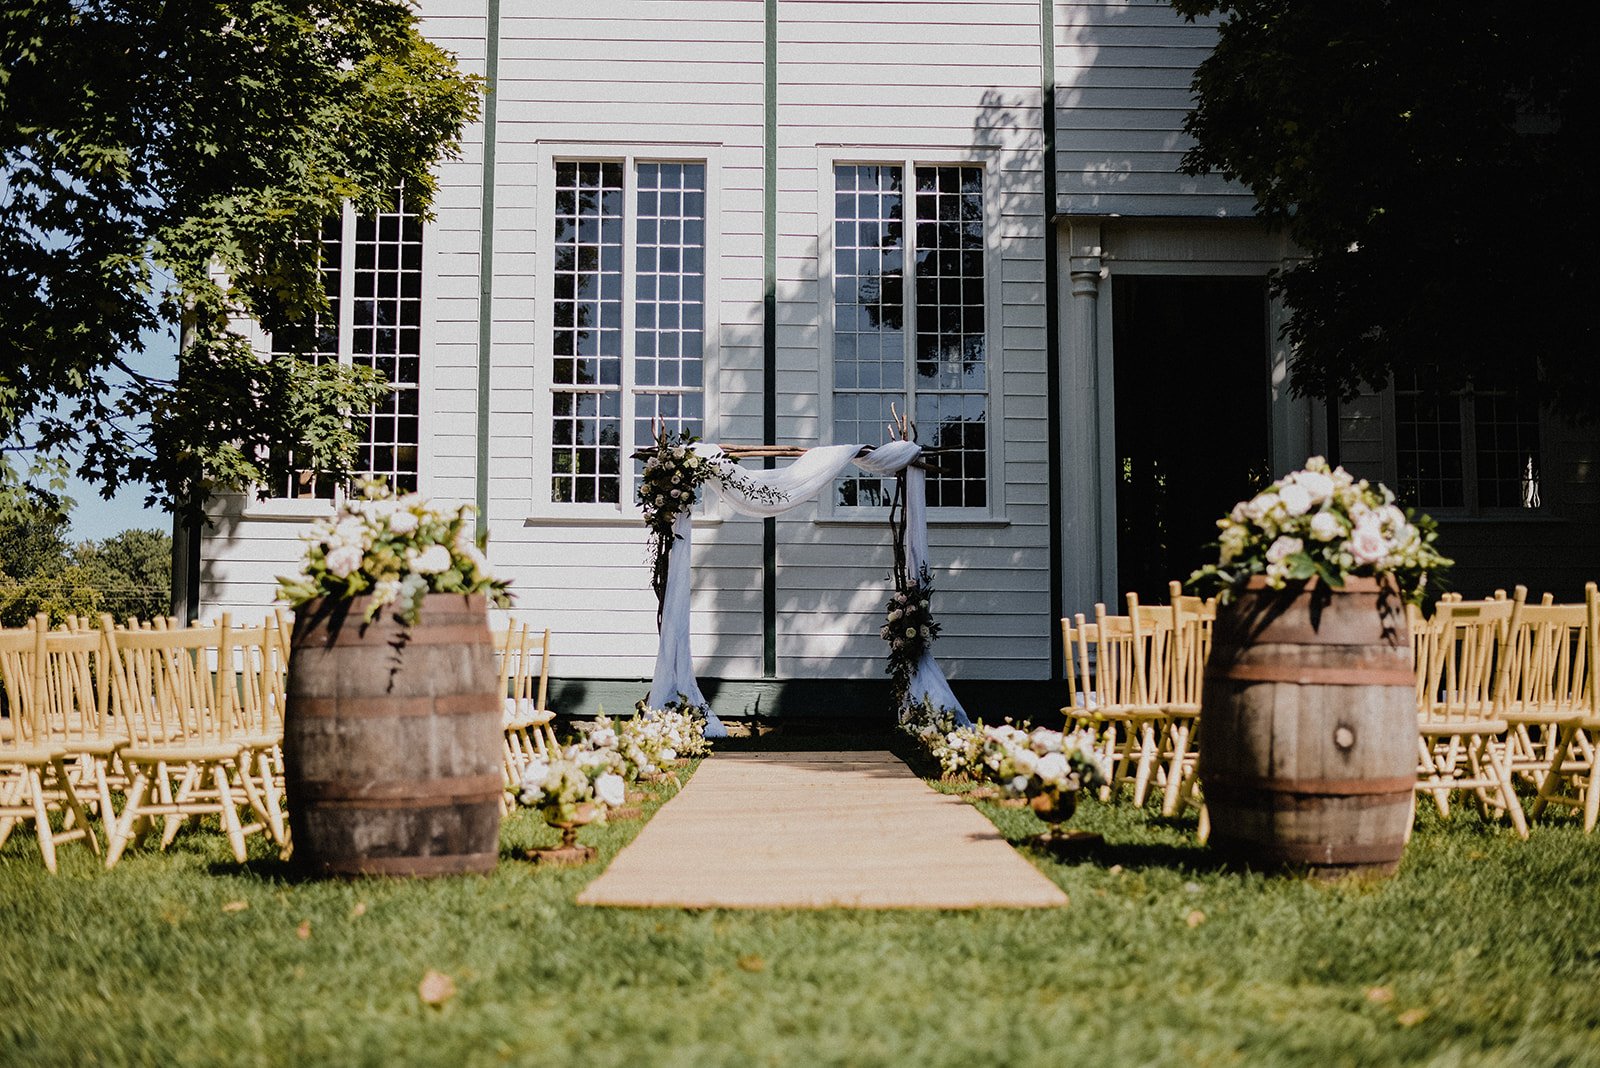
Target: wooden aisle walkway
(818,830)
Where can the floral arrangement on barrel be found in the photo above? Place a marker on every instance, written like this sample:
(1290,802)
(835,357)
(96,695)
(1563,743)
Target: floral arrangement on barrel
(1323,523)
(1045,767)
(909,628)
(670,483)
(576,788)
(397,549)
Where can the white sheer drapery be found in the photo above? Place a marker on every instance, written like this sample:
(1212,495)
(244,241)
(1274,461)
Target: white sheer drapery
(770,493)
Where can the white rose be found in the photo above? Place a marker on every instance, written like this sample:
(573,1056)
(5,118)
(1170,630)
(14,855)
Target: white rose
(534,776)
(1325,526)
(1026,760)
(604,738)
(1319,485)
(432,560)
(1019,785)
(610,789)
(668,754)
(1283,548)
(403,522)
(1052,768)
(343,560)
(1367,544)
(1296,499)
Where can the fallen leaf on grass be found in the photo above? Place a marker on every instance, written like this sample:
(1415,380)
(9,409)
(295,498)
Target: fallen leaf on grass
(303,932)
(360,909)
(1411,1017)
(436,988)
(1195,918)
(236,906)
(1380,995)
(750,962)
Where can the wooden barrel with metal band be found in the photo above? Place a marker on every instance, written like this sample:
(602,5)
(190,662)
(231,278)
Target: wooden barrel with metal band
(392,740)
(1310,728)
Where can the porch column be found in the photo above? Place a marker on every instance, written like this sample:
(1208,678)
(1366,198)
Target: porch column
(1086,515)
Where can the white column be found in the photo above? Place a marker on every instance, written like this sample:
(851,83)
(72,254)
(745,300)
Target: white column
(1085,419)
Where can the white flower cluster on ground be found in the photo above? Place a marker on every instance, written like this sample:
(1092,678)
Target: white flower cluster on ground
(1042,761)
(646,743)
(396,549)
(580,778)
(1322,522)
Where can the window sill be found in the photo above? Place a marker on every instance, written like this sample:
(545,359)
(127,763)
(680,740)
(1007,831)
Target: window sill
(1530,517)
(289,509)
(995,521)
(605,521)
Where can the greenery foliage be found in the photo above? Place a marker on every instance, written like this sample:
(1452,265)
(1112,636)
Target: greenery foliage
(1427,157)
(1479,952)
(127,574)
(168,165)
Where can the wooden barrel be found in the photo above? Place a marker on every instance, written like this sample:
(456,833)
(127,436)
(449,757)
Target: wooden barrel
(1310,728)
(392,738)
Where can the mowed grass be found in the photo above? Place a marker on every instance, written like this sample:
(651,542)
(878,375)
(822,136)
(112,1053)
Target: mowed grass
(1483,950)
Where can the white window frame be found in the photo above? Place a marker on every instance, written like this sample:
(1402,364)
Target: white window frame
(268,505)
(986,160)
(630,155)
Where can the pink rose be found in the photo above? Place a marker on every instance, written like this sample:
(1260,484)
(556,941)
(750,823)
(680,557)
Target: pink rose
(1367,544)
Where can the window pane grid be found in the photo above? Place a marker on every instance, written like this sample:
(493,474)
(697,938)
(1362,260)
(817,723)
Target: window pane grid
(1506,429)
(1428,442)
(387,336)
(951,344)
(586,430)
(869,361)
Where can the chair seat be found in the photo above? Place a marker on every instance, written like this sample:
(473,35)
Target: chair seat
(178,754)
(30,755)
(1432,727)
(530,719)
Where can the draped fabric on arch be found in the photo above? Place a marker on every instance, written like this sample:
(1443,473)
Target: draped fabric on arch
(789,488)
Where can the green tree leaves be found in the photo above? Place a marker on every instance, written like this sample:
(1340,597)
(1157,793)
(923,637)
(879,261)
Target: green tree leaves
(167,167)
(1426,157)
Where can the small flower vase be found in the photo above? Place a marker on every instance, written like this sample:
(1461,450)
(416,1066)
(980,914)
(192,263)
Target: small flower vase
(569,852)
(1055,807)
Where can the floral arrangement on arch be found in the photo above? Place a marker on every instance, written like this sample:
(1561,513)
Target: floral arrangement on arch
(909,628)
(1323,523)
(398,549)
(670,484)
(1042,761)
(579,786)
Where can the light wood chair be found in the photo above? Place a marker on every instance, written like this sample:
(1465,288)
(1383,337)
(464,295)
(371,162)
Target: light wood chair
(36,781)
(1571,780)
(1114,706)
(1192,623)
(254,671)
(185,754)
(1462,730)
(523,656)
(1543,681)
(78,698)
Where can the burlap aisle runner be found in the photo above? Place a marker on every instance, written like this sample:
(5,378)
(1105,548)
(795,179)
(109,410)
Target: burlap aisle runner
(818,830)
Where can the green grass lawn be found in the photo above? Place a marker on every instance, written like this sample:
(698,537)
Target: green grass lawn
(1483,950)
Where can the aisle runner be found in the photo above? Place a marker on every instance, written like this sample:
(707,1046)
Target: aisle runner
(818,830)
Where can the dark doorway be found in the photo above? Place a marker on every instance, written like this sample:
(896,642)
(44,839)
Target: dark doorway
(1193,434)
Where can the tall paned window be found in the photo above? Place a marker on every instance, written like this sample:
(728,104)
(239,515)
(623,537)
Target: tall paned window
(1476,449)
(937,371)
(372,272)
(624,358)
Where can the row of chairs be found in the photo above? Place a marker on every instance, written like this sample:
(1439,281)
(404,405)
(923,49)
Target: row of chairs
(157,723)
(179,722)
(1505,695)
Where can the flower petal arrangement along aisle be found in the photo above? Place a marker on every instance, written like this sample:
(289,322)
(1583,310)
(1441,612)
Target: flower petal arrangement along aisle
(674,470)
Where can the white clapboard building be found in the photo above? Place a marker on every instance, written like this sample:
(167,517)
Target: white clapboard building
(777,221)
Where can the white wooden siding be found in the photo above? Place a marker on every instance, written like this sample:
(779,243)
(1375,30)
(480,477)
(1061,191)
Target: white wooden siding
(1123,69)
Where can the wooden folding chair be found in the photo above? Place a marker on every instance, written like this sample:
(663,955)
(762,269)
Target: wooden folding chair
(78,698)
(524,661)
(1543,681)
(253,675)
(1192,622)
(184,748)
(36,781)
(1571,779)
(1114,706)
(1462,731)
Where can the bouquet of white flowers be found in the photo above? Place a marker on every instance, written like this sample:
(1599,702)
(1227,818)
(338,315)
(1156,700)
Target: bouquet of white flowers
(1322,523)
(397,549)
(576,787)
(1042,761)
(678,729)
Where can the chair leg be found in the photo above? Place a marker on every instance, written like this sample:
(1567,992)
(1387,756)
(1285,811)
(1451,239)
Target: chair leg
(230,814)
(1508,786)
(41,819)
(169,827)
(76,806)
(1429,771)
(1556,774)
(1180,752)
(118,838)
